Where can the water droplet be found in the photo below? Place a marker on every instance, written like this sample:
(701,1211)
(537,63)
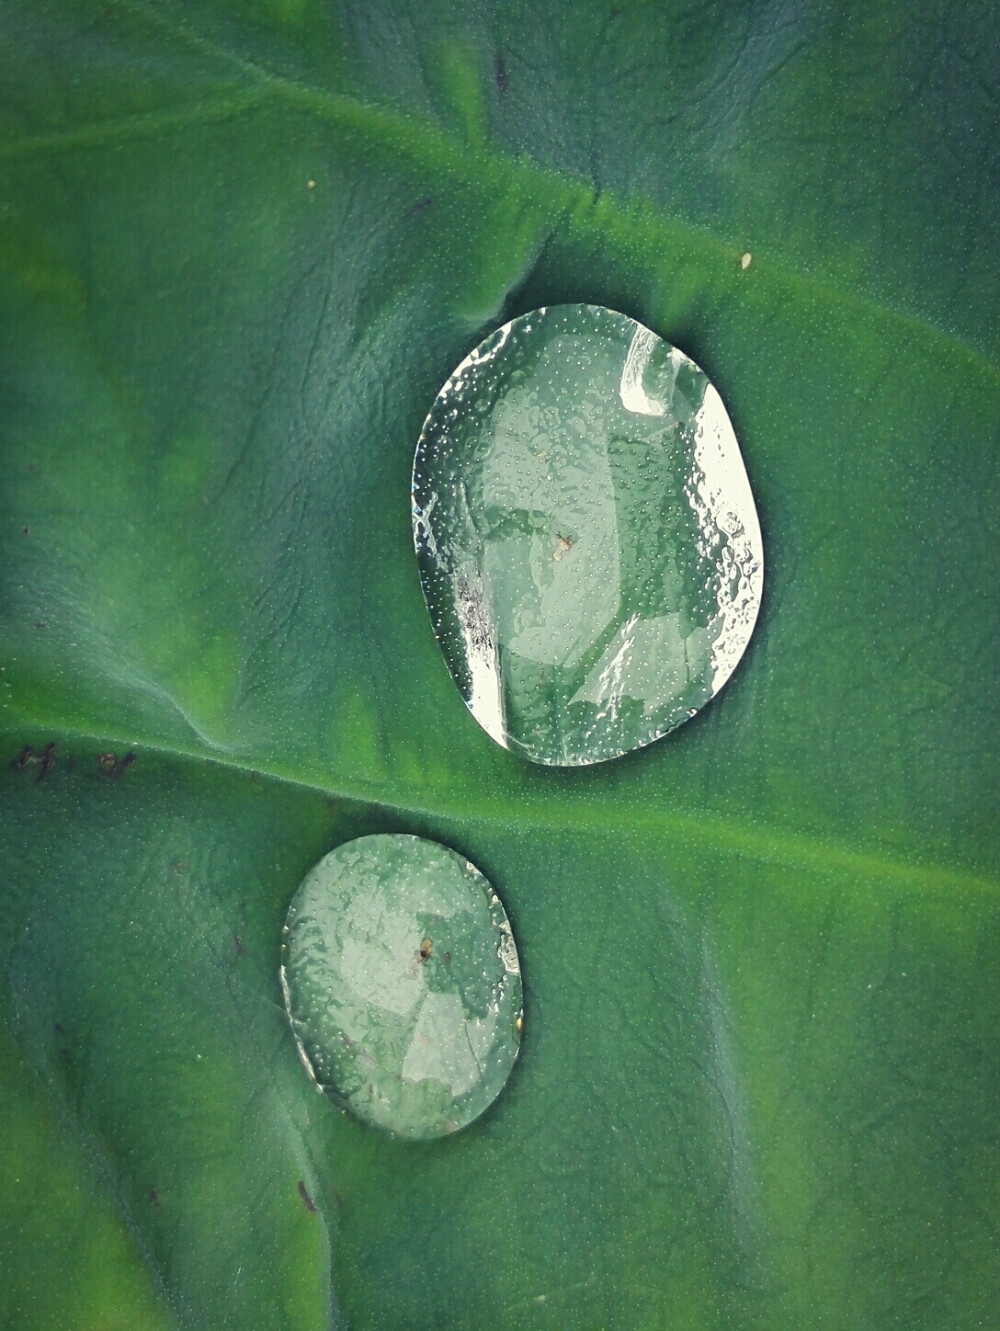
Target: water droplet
(402,984)
(588,545)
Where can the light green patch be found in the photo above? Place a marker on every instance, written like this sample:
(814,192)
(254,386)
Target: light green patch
(68,1256)
(34,269)
(460,82)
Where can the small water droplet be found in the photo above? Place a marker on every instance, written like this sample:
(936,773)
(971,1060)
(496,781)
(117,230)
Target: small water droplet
(402,984)
(588,546)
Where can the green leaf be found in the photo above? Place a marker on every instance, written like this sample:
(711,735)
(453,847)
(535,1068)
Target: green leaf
(241,248)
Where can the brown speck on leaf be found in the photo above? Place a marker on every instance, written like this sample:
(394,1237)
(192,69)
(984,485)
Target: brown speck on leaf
(154,1199)
(447,958)
(58,1028)
(39,624)
(25,531)
(563,543)
(307,1201)
(46,760)
(426,948)
(500,75)
(111,765)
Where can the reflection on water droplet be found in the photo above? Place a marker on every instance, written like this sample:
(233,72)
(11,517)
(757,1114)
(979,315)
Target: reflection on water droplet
(587,538)
(402,984)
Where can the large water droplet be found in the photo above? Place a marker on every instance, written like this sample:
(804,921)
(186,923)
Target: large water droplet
(402,984)
(587,538)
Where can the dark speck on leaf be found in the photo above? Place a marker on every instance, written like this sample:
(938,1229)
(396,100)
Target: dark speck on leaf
(58,1028)
(307,1201)
(25,531)
(39,624)
(240,949)
(500,74)
(154,1199)
(111,765)
(44,761)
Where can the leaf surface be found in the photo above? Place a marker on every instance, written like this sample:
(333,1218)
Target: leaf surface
(241,248)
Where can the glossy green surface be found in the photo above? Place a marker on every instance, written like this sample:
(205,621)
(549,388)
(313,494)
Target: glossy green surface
(588,543)
(402,984)
(758,1088)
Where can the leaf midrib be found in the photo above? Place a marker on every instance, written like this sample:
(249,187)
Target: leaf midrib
(424,140)
(764,844)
